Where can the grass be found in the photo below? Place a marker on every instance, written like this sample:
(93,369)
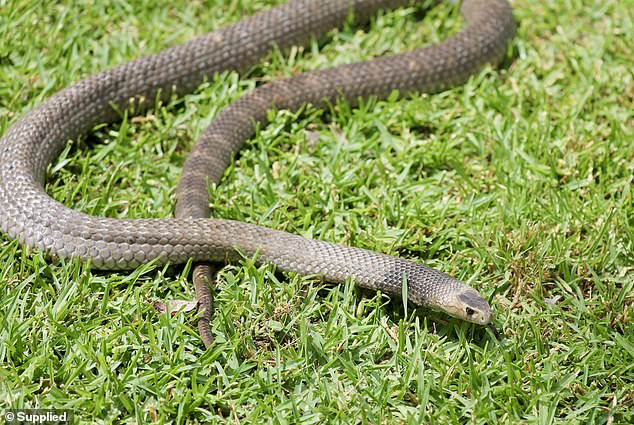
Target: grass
(519,182)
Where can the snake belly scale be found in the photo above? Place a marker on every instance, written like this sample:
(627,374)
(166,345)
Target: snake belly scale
(29,214)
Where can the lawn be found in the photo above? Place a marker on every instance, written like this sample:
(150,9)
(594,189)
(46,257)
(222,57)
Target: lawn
(520,183)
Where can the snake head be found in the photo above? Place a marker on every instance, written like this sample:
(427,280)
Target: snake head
(467,304)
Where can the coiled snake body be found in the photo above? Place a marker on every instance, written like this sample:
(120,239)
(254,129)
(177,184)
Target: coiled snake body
(28,214)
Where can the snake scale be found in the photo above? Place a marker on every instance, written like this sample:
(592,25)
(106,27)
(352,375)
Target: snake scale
(30,215)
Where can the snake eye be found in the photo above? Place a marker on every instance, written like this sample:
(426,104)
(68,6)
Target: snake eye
(469,311)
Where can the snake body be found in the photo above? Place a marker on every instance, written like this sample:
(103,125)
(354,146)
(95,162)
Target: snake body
(29,214)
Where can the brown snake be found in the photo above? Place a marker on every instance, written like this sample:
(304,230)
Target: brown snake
(29,214)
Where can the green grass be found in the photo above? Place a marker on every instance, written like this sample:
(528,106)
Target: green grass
(519,182)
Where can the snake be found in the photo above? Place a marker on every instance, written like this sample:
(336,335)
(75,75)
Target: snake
(31,216)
